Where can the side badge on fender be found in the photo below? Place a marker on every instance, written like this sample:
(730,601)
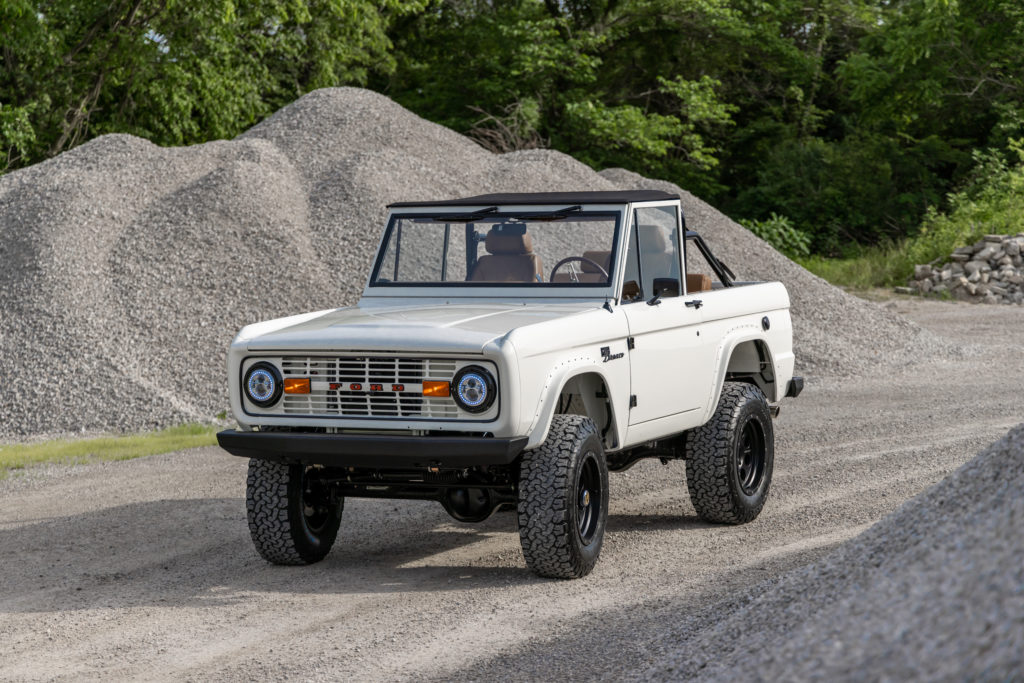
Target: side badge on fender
(606,353)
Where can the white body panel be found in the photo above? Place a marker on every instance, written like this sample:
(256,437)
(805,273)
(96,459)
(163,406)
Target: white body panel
(538,343)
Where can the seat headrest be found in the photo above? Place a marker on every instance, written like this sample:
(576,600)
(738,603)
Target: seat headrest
(509,239)
(602,257)
(653,239)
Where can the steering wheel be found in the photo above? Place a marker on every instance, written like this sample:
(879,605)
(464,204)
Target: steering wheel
(583,259)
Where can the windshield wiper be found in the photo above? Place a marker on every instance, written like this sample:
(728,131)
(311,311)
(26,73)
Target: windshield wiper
(459,217)
(547,215)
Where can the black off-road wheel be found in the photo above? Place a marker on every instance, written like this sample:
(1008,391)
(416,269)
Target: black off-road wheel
(563,500)
(729,459)
(293,514)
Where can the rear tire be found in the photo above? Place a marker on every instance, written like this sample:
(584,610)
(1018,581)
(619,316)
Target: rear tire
(730,458)
(563,500)
(293,515)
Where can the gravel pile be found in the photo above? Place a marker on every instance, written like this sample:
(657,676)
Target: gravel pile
(934,591)
(990,271)
(128,267)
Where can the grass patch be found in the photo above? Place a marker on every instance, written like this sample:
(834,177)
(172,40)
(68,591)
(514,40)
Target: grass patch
(875,267)
(75,451)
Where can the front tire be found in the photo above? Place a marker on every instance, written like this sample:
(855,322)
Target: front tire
(730,458)
(293,515)
(563,500)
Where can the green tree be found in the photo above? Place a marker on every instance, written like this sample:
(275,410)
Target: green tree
(174,71)
(475,66)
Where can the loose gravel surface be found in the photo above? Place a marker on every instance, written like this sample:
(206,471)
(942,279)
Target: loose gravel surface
(128,267)
(144,569)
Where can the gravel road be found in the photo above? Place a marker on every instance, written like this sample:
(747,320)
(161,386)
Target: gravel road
(144,569)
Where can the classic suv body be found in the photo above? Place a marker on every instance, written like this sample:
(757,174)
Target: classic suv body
(623,341)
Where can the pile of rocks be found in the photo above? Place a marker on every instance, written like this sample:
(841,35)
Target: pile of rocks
(990,271)
(128,267)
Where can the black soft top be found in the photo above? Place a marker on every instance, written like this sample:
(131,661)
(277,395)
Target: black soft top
(561,198)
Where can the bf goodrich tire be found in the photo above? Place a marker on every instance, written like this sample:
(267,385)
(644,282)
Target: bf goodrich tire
(293,516)
(729,459)
(563,500)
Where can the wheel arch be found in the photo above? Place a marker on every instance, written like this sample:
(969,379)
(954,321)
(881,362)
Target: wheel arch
(745,357)
(581,390)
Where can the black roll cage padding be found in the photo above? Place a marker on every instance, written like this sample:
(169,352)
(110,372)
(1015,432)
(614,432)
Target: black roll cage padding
(473,240)
(444,252)
(724,273)
(398,251)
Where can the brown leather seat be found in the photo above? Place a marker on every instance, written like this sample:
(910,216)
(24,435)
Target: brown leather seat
(657,252)
(589,272)
(510,259)
(698,282)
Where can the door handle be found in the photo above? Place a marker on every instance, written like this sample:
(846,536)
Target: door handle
(695,303)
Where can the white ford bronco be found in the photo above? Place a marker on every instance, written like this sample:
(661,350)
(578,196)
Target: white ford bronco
(507,352)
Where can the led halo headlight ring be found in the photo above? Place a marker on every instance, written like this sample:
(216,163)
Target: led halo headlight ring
(263,385)
(473,389)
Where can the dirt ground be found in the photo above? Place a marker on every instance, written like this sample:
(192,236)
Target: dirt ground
(144,569)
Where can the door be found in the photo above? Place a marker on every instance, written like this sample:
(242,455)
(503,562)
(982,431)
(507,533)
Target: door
(667,346)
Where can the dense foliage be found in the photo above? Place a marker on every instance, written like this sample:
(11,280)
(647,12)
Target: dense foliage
(173,71)
(990,201)
(829,123)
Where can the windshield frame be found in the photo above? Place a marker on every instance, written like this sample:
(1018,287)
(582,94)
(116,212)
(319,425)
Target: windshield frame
(546,290)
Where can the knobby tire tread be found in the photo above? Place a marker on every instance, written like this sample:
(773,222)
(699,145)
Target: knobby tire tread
(266,502)
(709,454)
(546,527)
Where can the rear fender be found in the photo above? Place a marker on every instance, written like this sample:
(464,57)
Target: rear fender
(742,352)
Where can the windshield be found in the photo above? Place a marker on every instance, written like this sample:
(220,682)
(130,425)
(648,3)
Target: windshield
(534,250)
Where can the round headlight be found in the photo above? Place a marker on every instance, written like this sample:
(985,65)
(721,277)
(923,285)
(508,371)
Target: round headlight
(474,389)
(263,384)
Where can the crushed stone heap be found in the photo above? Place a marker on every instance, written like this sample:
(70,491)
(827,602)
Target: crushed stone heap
(935,591)
(129,267)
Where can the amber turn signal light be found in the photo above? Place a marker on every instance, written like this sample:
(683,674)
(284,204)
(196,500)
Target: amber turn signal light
(296,385)
(440,389)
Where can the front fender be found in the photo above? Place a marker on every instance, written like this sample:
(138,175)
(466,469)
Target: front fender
(560,375)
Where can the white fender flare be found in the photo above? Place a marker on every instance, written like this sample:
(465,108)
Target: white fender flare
(732,339)
(561,374)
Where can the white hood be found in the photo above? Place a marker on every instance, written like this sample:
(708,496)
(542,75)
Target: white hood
(426,327)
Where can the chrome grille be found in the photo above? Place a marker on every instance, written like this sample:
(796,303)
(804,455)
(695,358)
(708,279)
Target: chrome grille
(365,386)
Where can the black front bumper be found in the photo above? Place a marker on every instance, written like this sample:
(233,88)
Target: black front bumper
(372,450)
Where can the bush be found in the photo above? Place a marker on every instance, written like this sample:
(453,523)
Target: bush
(990,203)
(779,232)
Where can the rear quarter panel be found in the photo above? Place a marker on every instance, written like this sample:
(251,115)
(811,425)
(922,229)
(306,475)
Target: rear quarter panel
(734,315)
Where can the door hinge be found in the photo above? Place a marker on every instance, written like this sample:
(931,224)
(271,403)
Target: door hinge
(631,343)
(632,401)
